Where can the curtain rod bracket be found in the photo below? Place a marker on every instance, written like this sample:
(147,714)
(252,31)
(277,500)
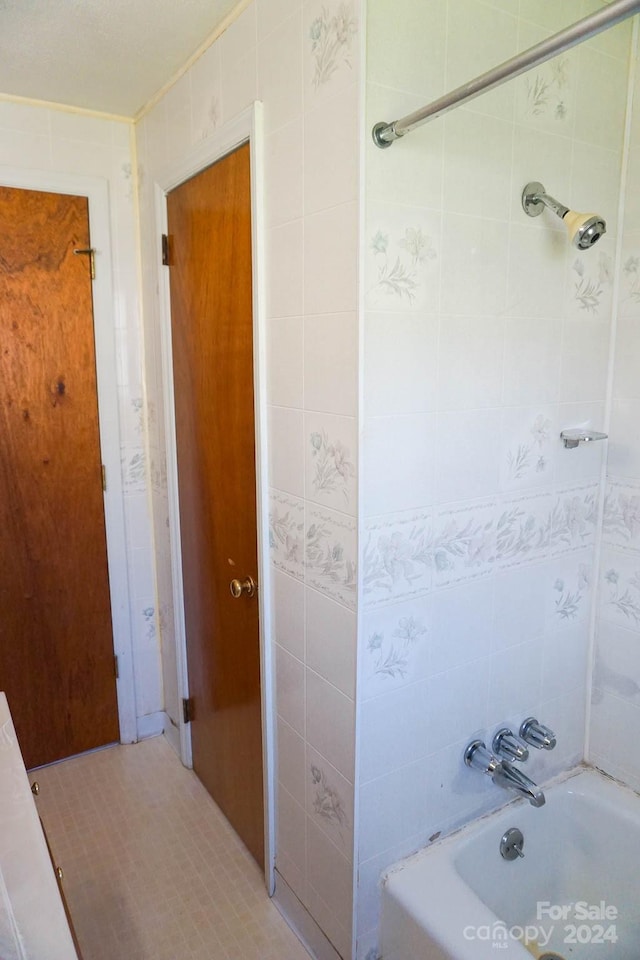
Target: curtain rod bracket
(384,134)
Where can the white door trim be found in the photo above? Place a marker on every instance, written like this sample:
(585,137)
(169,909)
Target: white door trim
(247,126)
(96,190)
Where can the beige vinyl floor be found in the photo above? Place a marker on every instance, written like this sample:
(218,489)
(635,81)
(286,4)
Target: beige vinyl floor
(152,869)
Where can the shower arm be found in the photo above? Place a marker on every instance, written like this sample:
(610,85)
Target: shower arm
(615,12)
(532,199)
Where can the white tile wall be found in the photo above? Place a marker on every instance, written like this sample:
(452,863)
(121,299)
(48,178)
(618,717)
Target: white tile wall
(39,138)
(488,322)
(301,60)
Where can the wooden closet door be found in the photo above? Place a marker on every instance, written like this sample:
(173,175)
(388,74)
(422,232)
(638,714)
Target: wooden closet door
(56,643)
(212,332)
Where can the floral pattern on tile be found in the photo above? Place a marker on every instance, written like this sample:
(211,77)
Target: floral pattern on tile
(397,559)
(463,546)
(330,555)
(522,529)
(286,534)
(621,596)
(398,266)
(328,801)
(572,522)
(630,293)
(621,520)
(528,459)
(592,284)
(332,469)
(332,35)
(547,89)
(391,654)
(569,597)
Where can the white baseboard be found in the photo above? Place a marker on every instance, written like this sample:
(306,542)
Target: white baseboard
(151,725)
(172,733)
(302,923)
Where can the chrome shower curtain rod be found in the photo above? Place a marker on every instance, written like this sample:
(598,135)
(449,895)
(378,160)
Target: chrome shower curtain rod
(385,133)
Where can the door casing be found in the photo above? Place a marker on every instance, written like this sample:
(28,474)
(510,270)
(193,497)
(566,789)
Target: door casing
(96,190)
(246,127)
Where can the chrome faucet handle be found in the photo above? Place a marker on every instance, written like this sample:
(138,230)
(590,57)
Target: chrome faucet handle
(477,756)
(537,735)
(507,746)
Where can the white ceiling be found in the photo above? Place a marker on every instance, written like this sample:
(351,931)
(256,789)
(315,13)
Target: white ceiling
(107,55)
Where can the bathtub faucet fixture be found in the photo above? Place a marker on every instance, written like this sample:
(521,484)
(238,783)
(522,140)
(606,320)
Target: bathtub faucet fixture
(537,735)
(503,773)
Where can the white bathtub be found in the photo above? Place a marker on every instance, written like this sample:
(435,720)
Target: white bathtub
(576,892)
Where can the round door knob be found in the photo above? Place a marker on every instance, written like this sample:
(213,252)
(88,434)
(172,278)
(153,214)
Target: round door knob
(248,586)
(59,873)
(35,788)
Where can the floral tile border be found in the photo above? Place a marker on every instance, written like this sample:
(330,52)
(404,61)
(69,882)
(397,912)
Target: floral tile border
(573,519)
(286,533)
(463,546)
(397,558)
(621,520)
(330,555)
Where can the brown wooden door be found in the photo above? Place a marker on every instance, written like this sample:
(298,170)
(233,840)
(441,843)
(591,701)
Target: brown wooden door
(56,644)
(212,331)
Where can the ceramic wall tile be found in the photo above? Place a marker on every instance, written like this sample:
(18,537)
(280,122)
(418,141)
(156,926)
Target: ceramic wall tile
(466,58)
(530,442)
(620,589)
(400,363)
(330,632)
(468,454)
(330,250)
(287,533)
(329,723)
(621,519)
(470,362)
(331,151)
(271,13)
(288,613)
(285,357)
(284,174)
(396,649)
(329,801)
(290,686)
(485,144)
(286,450)
(284,297)
(331,46)
(330,560)
(414,174)
(330,447)
(404,446)
(403,258)
(280,73)
(205,79)
(397,557)
(291,761)
(463,547)
(330,359)
(462,625)
(402,64)
(532,361)
(476,249)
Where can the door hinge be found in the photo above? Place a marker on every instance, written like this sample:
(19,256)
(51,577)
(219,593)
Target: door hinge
(91,253)
(165,250)
(116,667)
(104,478)
(187,709)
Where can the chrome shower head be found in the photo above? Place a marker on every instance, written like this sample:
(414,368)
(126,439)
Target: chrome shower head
(585,229)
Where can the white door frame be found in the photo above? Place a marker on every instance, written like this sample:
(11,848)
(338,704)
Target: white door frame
(246,127)
(97,193)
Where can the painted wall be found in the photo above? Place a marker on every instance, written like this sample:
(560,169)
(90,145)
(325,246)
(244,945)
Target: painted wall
(38,138)
(485,334)
(615,715)
(301,60)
